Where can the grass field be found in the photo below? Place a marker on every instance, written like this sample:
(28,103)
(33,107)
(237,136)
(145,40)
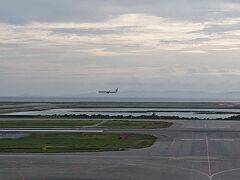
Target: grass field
(46,123)
(136,124)
(68,123)
(75,142)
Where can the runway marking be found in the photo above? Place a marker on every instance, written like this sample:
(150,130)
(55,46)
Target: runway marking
(221,139)
(189,158)
(107,167)
(131,164)
(50,130)
(191,139)
(225,171)
(186,169)
(170,147)
(208,158)
(205,123)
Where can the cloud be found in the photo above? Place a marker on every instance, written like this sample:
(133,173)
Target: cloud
(193,52)
(26,11)
(127,34)
(231,6)
(87,44)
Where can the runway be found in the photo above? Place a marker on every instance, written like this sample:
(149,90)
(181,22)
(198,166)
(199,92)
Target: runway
(187,151)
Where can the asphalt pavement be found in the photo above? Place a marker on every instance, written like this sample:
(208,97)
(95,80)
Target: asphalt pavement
(189,150)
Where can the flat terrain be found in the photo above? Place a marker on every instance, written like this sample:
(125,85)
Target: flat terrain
(135,124)
(47,123)
(74,123)
(8,107)
(75,142)
(188,150)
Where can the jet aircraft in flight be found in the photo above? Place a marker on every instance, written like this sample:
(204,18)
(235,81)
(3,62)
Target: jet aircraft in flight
(108,92)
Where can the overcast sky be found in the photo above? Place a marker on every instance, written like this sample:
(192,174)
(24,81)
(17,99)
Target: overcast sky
(69,47)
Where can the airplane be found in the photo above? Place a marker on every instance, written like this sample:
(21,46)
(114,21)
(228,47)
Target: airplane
(108,92)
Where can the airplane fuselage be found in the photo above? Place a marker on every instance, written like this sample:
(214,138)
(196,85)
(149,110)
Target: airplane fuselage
(108,92)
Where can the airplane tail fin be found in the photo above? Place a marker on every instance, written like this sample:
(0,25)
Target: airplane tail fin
(116,90)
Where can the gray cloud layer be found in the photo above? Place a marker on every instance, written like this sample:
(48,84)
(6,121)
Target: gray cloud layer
(52,47)
(25,11)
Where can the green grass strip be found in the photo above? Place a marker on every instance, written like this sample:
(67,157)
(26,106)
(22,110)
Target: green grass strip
(34,123)
(75,142)
(136,124)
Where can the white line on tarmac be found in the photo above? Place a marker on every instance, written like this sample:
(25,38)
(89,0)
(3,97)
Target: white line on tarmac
(170,147)
(191,139)
(225,171)
(50,130)
(208,158)
(221,139)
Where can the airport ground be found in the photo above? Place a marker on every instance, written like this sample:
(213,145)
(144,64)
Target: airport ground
(188,150)
(11,106)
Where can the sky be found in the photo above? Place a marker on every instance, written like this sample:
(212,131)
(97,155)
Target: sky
(72,47)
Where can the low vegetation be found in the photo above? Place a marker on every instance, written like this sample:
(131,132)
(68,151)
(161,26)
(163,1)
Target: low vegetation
(136,124)
(235,118)
(35,123)
(75,142)
(100,116)
(67,123)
